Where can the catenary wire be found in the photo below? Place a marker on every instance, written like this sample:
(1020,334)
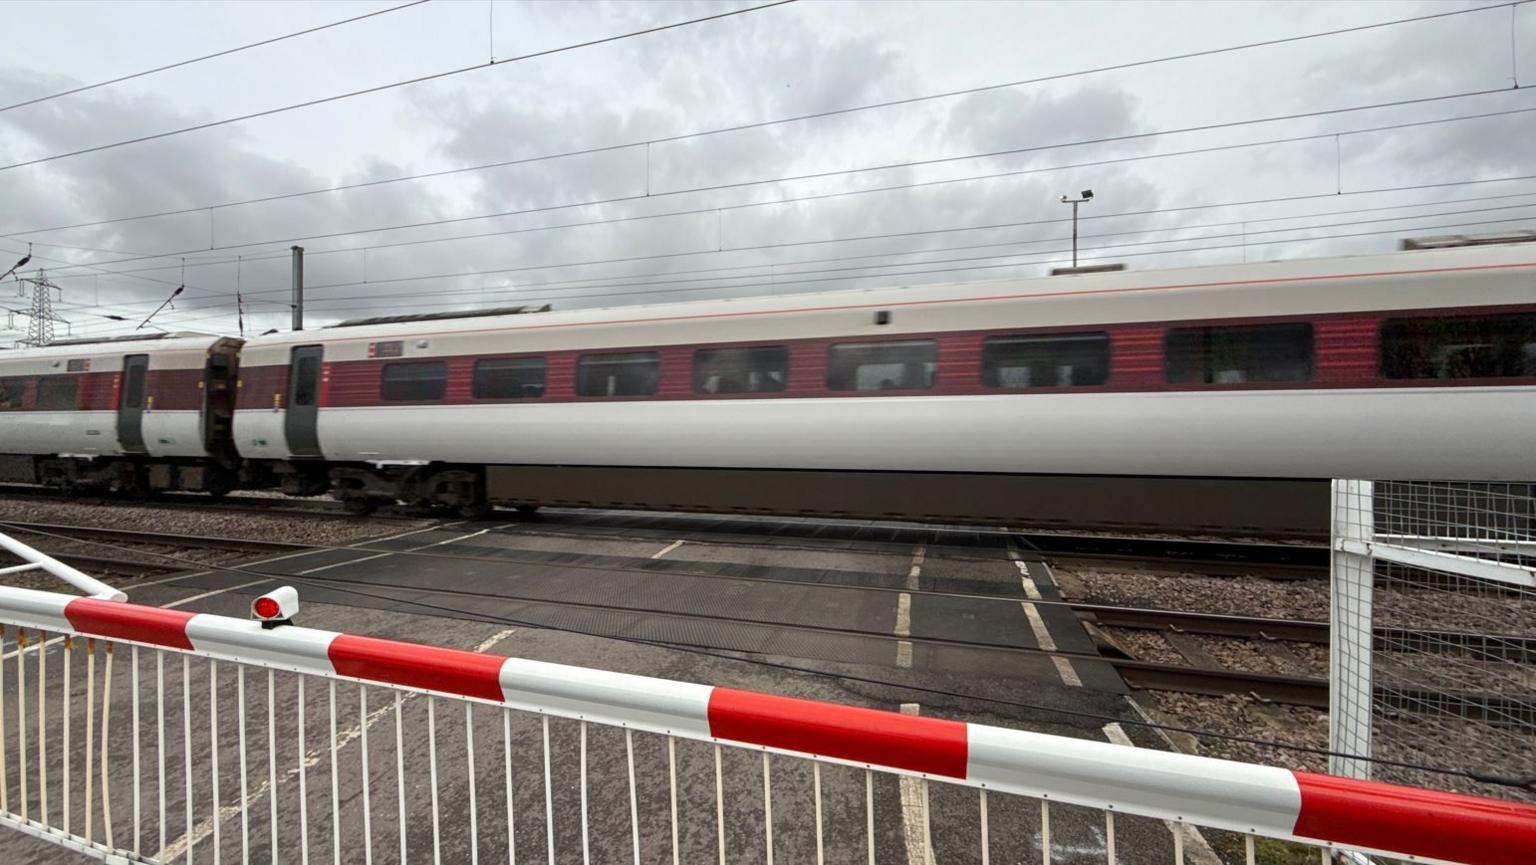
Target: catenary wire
(921,232)
(793,118)
(225,53)
(1032,263)
(777,282)
(341,586)
(383,87)
(605,285)
(1082,253)
(842,172)
(310,289)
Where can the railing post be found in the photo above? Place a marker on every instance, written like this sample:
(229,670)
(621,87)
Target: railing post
(1352,577)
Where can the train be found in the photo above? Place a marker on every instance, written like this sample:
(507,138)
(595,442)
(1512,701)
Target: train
(1217,397)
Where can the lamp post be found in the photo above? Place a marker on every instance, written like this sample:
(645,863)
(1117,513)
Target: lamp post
(1087,195)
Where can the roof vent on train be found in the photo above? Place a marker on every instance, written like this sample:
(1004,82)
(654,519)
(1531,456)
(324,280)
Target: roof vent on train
(439,316)
(1088,268)
(131,337)
(1446,241)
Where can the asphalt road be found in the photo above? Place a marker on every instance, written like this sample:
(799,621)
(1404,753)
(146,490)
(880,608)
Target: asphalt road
(930,614)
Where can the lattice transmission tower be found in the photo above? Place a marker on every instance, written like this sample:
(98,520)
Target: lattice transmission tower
(40,315)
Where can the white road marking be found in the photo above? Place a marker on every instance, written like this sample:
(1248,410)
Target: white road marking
(311,759)
(180,577)
(667,549)
(917,567)
(903,629)
(1197,851)
(452,540)
(904,608)
(914,810)
(1044,639)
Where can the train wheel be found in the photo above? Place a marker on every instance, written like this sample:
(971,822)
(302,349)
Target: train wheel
(357,507)
(477,511)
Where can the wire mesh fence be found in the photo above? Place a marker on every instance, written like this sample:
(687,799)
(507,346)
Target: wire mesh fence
(1434,632)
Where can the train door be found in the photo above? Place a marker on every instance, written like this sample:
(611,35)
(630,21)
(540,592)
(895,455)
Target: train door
(301,423)
(130,404)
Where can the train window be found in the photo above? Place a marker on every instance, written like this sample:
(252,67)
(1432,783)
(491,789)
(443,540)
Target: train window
(760,369)
(1462,346)
(636,373)
(1054,360)
(133,386)
(414,380)
(11,390)
(1234,354)
(509,378)
(57,392)
(905,365)
(306,380)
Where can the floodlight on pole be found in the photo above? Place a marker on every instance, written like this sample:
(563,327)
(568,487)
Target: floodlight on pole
(1085,196)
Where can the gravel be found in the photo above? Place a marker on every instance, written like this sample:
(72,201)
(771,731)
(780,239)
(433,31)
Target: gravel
(1232,715)
(1233,596)
(185,519)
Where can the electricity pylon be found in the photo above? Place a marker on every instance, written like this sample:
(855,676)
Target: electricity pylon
(40,316)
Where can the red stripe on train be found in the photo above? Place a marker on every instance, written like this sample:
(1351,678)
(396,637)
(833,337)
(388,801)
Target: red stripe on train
(916,744)
(1429,823)
(154,625)
(447,671)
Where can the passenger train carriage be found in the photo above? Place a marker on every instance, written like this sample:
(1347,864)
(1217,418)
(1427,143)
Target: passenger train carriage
(939,402)
(1218,397)
(142,413)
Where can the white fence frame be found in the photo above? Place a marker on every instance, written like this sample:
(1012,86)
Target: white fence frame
(1002,768)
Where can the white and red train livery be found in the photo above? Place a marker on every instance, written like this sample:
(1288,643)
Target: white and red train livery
(1195,397)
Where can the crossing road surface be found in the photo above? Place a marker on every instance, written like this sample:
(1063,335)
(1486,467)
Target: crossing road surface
(935,613)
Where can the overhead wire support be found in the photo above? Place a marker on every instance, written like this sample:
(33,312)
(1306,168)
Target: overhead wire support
(766,123)
(420,79)
(715,248)
(168,300)
(225,53)
(844,172)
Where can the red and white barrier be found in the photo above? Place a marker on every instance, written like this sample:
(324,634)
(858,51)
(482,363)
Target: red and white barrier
(1266,801)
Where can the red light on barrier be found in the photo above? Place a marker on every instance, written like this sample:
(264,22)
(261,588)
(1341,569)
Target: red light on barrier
(266,608)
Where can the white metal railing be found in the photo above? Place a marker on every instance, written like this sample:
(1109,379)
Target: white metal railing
(1433,638)
(212,739)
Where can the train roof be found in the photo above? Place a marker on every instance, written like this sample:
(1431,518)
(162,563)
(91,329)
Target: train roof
(116,346)
(1219,277)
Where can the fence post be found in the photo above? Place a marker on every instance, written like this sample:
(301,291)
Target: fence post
(1352,577)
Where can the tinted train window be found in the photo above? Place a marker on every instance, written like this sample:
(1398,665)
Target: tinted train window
(907,365)
(509,378)
(133,387)
(306,379)
(761,369)
(11,390)
(1463,346)
(1239,353)
(424,380)
(635,373)
(57,392)
(1056,360)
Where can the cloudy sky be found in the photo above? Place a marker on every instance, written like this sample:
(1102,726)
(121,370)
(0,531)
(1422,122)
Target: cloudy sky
(958,187)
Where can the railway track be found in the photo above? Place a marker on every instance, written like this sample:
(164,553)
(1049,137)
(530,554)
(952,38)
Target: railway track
(1200,676)
(207,504)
